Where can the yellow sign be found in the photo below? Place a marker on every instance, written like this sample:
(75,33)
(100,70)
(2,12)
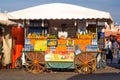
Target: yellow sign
(40,45)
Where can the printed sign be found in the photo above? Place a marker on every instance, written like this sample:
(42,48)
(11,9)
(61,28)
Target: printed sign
(52,42)
(59,56)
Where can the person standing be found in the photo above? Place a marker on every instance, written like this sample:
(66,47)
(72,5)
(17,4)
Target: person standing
(118,56)
(108,46)
(115,47)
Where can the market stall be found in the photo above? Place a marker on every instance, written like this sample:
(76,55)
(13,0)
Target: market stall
(62,39)
(5,40)
(61,49)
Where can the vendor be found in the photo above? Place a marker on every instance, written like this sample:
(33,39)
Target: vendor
(62,34)
(82,28)
(82,31)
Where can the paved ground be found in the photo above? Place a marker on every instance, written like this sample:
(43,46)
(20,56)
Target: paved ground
(111,72)
(113,67)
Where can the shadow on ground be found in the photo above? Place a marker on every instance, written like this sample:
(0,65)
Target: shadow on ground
(98,76)
(114,63)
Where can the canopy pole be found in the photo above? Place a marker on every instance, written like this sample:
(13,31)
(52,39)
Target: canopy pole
(24,25)
(97,30)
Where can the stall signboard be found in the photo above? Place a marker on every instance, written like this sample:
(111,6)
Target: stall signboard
(94,41)
(59,56)
(52,42)
(28,46)
(40,45)
(91,48)
(70,42)
(27,41)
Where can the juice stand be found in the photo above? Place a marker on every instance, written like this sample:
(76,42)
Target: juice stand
(44,50)
(59,35)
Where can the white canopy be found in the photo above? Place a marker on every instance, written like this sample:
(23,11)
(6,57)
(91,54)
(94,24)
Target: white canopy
(4,19)
(59,11)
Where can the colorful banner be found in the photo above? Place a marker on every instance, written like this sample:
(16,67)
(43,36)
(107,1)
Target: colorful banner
(59,56)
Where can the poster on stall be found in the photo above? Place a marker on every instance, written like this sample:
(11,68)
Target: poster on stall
(59,56)
(52,42)
(40,45)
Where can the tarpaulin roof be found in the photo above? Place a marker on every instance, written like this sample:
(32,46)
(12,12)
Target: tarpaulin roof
(59,11)
(4,19)
(111,33)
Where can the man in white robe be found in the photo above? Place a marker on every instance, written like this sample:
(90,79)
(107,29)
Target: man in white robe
(7,45)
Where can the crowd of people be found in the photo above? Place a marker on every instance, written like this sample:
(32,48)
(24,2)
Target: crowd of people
(113,49)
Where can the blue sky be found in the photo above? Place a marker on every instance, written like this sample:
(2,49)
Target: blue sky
(111,6)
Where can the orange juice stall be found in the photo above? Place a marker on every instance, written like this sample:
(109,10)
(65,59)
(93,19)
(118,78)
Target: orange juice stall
(67,46)
(62,36)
